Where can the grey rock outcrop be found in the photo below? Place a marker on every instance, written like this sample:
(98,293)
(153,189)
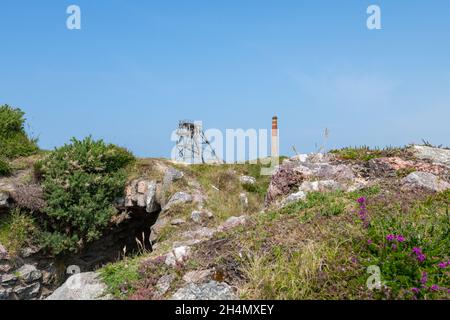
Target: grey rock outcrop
(171,176)
(435,155)
(206,291)
(178,198)
(426,181)
(81,286)
(28,273)
(22,284)
(294,197)
(315,172)
(143,194)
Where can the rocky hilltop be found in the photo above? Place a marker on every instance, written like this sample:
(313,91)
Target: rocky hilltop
(226,232)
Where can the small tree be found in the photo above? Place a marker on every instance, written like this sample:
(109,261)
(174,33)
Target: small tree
(81,181)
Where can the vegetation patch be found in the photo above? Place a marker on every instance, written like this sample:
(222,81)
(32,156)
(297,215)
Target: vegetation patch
(81,181)
(14,141)
(17,230)
(5,168)
(365,153)
(222,187)
(411,247)
(322,247)
(120,277)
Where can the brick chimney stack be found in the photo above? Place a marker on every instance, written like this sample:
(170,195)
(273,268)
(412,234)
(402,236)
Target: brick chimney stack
(275,138)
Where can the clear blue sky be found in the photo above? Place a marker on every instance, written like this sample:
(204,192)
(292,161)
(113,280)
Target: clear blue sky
(137,67)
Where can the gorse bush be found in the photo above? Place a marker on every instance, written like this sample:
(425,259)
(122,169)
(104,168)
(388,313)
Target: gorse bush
(81,181)
(14,142)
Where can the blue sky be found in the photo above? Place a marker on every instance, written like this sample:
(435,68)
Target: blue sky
(137,67)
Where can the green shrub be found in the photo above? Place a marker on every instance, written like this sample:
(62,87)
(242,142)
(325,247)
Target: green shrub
(81,181)
(5,168)
(17,230)
(14,142)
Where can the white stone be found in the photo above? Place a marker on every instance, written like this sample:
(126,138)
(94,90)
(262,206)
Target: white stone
(436,155)
(247,180)
(425,180)
(81,286)
(177,256)
(295,197)
(206,291)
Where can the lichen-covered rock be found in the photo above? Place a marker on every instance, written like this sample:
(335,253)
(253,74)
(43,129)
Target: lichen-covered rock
(5,293)
(27,291)
(247,180)
(163,284)
(5,267)
(142,193)
(157,228)
(151,203)
(8,279)
(198,234)
(81,286)
(283,181)
(201,216)
(320,186)
(197,276)
(28,273)
(388,166)
(171,176)
(425,180)
(294,197)
(290,176)
(232,223)
(206,291)
(178,198)
(435,155)
(177,256)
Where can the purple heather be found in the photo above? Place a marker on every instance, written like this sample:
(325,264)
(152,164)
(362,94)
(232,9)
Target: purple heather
(434,287)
